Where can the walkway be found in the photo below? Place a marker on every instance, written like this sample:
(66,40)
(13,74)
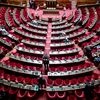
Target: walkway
(48,42)
(48,39)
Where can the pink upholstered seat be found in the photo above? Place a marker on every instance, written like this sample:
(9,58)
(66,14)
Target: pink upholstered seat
(71,97)
(52,95)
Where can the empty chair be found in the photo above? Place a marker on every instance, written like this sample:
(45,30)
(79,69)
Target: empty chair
(61,68)
(95,76)
(27,67)
(74,81)
(6,88)
(79,94)
(7,77)
(13,90)
(49,82)
(31,68)
(13,78)
(27,80)
(67,82)
(58,82)
(71,97)
(34,81)
(61,94)
(52,94)
(81,80)
(21,94)
(2,74)
(75,67)
(20,79)
(87,78)
(39,69)
(52,69)
(69,68)
(18,65)
(31,94)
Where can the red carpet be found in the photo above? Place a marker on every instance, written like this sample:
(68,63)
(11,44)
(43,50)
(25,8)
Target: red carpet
(48,40)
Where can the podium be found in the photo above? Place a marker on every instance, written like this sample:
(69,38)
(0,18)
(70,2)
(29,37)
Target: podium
(51,7)
(51,3)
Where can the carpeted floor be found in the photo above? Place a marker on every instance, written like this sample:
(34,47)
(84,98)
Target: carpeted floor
(48,40)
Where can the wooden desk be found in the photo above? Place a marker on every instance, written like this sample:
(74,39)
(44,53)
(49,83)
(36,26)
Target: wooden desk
(50,11)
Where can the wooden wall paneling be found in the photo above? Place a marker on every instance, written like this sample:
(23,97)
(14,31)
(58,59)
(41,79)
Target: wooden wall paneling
(61,2)
(17,2)
(80,2)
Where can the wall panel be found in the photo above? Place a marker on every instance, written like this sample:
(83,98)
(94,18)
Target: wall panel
(67,1)
(62,2)
(17,2)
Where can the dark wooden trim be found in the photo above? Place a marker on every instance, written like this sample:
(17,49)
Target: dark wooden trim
(11,5)
(88,5)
